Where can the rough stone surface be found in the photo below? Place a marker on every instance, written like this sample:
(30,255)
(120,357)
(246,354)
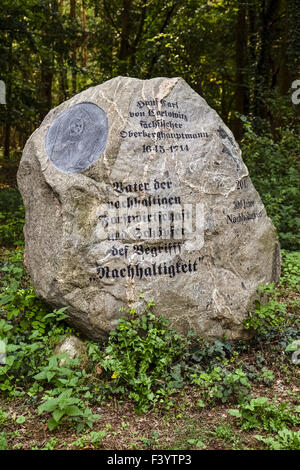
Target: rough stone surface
(73,347)
(164,146)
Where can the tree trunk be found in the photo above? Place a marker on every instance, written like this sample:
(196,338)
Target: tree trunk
(47,63)
(264,68)
(46,84)
(7,129)
(85,36)
(124,51)
(241,94)
(163,27)
(73,56)
(284,78)
(63,94)
(139,33)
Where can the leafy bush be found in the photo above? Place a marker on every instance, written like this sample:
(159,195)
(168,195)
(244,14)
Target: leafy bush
(66,405)
(27,327)
(12,218)
(12,275)
(30,332)
(209,352)
(290,270)
(258,413)
(277,320)
(3,441)
(284,440)
(267,316)
(267,376)
(62,371)
(94,437)
(143,358)
(139,352)
(221,384)
(27,350)
(3,417)
(274,170)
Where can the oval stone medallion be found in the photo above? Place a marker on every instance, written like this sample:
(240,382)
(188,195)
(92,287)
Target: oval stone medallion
(77,137)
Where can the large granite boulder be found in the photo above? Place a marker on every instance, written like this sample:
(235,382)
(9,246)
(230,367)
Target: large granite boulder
(137,186)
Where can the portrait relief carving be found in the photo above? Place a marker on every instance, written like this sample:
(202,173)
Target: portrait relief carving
(77,137)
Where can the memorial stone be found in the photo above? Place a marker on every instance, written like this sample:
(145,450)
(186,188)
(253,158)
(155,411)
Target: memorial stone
(138,187)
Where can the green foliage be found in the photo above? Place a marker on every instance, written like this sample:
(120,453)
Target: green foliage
(27,349)
(12,275)
(275,319)
(197,443)
(145,39)
(3,417)
(30,331)
(139,352)
(221,384)
(66,405)
(284,440)
(290,270)
(274,170)
(144,360)
(209,352)
(61,371)
(267,376)
(12,218)
(293,346)
(151,440)
(50,444)
(269,315)
(94,352)
(258,413)
(226,433)
(27,328)
(94,437)
(3,441)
